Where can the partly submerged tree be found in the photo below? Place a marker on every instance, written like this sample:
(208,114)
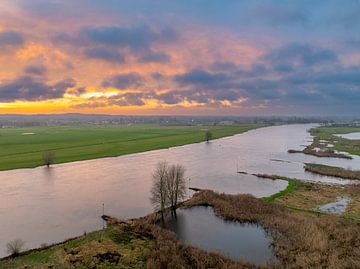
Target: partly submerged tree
(175,185)
(15,247)
(159,197)
(208,136)
(48,158)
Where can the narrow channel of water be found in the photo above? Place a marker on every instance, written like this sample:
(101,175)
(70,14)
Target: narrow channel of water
(200,227)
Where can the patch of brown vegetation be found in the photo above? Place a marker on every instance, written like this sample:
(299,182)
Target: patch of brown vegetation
(310,195)
(326,170)
(325,152)
(300,240)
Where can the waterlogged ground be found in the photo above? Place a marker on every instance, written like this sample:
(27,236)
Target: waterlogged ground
(48,205)
(351,136)
(337,207)
(198,226)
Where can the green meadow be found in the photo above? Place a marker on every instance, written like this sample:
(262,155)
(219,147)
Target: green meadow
(24,147)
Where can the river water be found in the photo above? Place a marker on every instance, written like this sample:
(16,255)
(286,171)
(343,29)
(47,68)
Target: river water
(42,205)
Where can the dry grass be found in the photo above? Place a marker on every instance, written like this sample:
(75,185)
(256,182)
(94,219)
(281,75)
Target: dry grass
(300,240)
(327,170)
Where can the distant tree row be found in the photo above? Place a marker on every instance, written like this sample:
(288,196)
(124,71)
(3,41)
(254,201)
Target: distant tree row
(169,187)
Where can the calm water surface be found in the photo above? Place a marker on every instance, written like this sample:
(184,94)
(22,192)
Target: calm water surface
(351,136)
(48,205)
(199,226)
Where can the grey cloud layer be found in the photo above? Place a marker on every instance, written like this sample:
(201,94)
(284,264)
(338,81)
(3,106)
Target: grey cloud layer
(112,43)
(32,89)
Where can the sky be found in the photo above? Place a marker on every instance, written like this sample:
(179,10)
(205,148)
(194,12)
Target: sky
(176,57)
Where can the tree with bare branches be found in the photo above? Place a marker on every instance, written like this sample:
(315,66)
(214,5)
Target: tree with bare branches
(175,185)
(159,197)
(15,247)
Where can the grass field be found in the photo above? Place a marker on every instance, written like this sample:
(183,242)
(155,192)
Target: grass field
(24,147)
(340,144)
(109,248)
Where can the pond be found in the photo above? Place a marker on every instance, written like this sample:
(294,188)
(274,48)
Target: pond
(43,205)
(336,207)
(200,227)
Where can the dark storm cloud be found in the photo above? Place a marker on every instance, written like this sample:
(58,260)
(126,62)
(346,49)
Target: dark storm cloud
(11,38)
(124,81)
(31,89)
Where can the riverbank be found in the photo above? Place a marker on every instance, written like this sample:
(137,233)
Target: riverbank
(333,171)
(69,143)
(299,239)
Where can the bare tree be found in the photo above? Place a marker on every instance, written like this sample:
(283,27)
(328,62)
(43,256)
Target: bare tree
(48,158)
(159,197)
(14,247)
(175,185)
(208,136)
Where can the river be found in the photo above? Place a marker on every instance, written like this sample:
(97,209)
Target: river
(43,205)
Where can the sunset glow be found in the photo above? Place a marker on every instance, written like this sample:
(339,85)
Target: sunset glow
(233,57)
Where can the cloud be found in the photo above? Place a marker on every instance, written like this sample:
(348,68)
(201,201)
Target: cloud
(37,69)
(124,81)
(105,54)
(200,77)
(31,89)
(112,43)
(154,57)
(11,38)
(298,54)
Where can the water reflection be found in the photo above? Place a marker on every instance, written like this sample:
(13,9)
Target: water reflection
(198,226)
